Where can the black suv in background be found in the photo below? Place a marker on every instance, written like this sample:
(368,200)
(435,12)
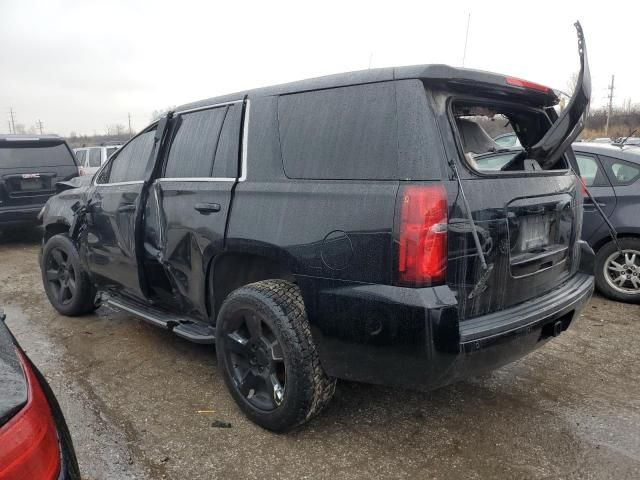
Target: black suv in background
(337,227)
(30,167)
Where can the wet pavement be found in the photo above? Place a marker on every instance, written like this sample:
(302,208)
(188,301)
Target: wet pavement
(141,403)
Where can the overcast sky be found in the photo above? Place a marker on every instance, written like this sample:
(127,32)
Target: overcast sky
(82,65)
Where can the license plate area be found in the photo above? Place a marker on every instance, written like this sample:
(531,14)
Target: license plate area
(32,184)
(540,233)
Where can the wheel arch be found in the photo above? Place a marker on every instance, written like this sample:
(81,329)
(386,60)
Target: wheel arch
(56,228)
(233,269)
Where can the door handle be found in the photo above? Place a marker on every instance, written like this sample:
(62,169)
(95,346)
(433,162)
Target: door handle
(207,208)
(127,207)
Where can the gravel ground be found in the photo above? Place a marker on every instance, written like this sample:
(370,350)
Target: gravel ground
(141,403)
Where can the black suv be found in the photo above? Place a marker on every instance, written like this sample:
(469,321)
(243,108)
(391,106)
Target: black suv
(337,227)
(30,167)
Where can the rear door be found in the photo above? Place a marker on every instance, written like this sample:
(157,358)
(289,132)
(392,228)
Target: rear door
(194,194)
(114,209)
(598,184)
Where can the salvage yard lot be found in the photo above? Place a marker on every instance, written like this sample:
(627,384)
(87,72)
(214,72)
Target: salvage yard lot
(141,403)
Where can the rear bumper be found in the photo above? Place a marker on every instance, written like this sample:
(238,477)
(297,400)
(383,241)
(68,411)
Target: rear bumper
(413,338)
(17,215)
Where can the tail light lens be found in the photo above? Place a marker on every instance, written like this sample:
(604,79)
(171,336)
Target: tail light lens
(422,252)
(81,171)
(28,441)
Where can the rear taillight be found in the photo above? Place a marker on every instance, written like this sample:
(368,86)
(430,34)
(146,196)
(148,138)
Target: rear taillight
(583,188)
(81,171)
(28,441)
(518,82)
(422,250)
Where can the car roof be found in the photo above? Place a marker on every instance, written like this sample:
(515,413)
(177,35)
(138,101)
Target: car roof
(432,73)
(7,140)
(626,152)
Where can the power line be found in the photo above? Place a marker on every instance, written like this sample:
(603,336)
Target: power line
(610,110)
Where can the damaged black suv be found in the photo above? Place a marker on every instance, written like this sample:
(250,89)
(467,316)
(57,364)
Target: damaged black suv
(360,226)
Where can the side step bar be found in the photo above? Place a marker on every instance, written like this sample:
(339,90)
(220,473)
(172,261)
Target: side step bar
(188,329)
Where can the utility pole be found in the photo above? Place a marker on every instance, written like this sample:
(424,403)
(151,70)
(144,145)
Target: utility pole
(129,115)
(466,37)
(9,122)
(39,123)
(610,110)
(13,122)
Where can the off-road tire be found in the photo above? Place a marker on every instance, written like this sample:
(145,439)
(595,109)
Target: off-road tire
(83,300)
(308,388)
(601,257)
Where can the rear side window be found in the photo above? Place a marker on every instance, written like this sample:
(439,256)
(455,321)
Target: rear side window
(194,143)
(30,155)
(341,133)
(621,172)
(130,163)
(94,157)
(227,154)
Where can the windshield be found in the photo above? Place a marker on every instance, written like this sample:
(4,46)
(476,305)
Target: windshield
(15,156)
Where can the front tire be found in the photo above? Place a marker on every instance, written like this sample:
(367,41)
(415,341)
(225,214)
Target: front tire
(268,358)
(618,275)
(65,281)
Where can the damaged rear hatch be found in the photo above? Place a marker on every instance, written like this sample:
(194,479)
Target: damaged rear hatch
(517,236)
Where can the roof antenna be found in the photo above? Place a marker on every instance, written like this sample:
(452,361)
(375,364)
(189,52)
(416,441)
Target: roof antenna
(627,138)
(466,37)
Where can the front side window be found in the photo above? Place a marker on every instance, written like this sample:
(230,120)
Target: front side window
(194,143)
(590,171)
(131,161)
(340,133)
(81,155)
(94,157)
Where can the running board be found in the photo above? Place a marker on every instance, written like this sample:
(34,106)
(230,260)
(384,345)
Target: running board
(183,327)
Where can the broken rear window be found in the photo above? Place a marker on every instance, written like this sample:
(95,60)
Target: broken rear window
(495,137)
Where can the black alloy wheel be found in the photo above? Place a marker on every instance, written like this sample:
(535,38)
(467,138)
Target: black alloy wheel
(256,359)
(65,282)
(61,276)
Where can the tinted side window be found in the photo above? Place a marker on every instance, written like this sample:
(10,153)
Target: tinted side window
(340,133)
(94,157)
(227,154)
(590,171)
(194,143)
(621,172)
(130,163)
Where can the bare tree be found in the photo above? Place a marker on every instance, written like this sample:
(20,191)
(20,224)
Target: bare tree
(117,129)
(156,114)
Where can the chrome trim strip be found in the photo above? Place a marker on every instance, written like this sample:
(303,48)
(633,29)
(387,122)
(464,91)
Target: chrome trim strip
(245,140)
(197,179)
(132,182)
(206,107)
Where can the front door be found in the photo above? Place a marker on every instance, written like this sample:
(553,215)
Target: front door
(113,212)
(194,194)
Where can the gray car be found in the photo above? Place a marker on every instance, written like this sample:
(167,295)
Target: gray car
(612,175)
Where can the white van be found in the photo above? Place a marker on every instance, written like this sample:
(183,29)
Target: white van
(91,158)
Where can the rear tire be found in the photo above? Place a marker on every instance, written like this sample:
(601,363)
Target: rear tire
(65,281)
(268,358)
(611,267)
